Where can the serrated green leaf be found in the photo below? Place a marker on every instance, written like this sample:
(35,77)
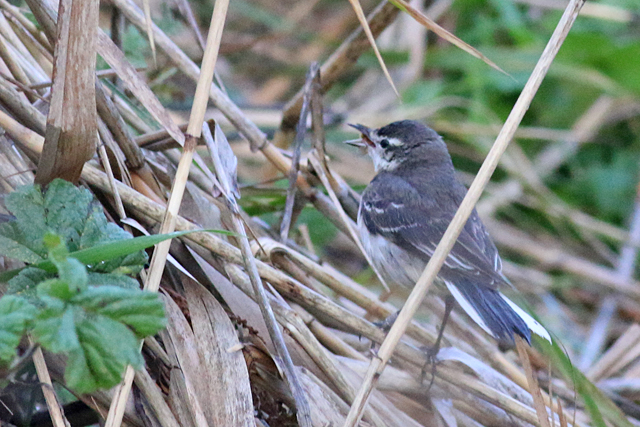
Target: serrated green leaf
(27,204)
(11,247)
(95,228)
(54,328)
(26,282)
(15,314)
(110,279)
(142,311)
(107,347)
(77,375)
(67,208)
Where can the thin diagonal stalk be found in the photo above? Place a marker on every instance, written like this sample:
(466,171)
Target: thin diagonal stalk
(159,258)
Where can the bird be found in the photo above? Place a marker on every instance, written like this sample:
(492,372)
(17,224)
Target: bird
(403,214)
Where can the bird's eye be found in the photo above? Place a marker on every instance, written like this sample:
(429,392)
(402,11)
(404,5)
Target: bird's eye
(384,143)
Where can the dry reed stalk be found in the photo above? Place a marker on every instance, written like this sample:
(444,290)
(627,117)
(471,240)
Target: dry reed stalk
(248,129)
(622,347)
(15,69)
(155,399)
(24,21)
(355,4)
(534,388)
(158,260)
(292,174)
(467,205)
(24,112)
(55,409)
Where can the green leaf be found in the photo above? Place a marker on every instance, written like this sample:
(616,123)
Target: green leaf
(26,282)
(104,279)
(106,348)
(54,328)
(15,314)
(66,211)
(142,311)
(111,250)
(77,375)
(96,330)
(96,227)
(72,275)
(67,208)
(27,204)
(11,247)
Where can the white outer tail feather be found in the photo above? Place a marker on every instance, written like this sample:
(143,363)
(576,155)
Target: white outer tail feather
(533,324)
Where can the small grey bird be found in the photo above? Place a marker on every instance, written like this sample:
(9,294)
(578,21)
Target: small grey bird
(404,213)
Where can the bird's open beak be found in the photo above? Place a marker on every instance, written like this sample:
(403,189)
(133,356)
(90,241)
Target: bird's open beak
(365,140)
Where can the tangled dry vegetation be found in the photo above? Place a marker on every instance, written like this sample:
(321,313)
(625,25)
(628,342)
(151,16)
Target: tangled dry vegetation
(216,362)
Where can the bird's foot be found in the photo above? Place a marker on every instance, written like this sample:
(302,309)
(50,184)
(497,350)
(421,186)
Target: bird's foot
(432,363)
(387,323)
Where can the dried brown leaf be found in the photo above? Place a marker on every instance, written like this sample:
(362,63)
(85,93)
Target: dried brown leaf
(223,387)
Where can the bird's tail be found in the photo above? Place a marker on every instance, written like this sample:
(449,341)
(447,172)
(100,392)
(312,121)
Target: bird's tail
(496,314)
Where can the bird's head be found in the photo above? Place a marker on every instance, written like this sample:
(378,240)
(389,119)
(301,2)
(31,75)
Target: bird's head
(395,143)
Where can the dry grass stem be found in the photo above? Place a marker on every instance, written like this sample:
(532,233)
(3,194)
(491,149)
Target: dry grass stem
(55,409)
(446,35)
(534,388)
(367,30)
(351,227)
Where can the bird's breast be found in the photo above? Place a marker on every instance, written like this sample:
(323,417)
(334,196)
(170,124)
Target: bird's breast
(394,263)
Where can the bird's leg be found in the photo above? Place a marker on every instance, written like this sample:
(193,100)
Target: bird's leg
(432,353)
